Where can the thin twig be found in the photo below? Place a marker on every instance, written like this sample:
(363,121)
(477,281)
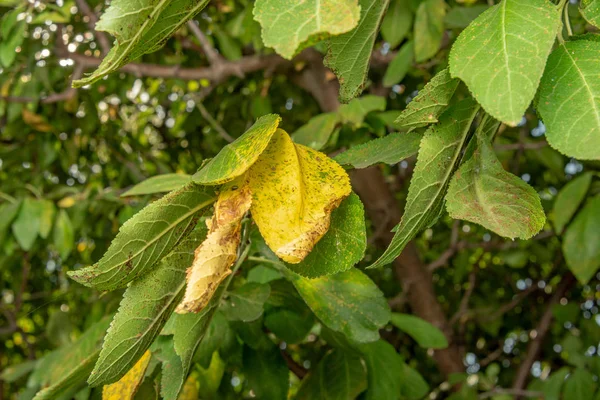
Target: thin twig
(214,123)
(85,9)
(213,55)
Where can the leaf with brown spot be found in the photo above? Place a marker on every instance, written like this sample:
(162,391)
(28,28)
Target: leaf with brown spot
(126,387)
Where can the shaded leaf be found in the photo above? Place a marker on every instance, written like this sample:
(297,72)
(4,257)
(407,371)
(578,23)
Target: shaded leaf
(429,104)
(127,386)
(26,226)
(46,217)
(590,9)
(568,99)
(235,158)
(390,149)
(399,65)
(349,54)
(355,112)
(334,300)
(384,366)
(397,22)
(342,247)
(441,146)
(317,131)
(427,335)
(501,55)
(146,238)
(8,212)
(294,189)
(460,17)
(412,384)
(429,28)
(581,241)
(246,302)
(267,373)
(579,385)
(159,184)
(139,28)
(63,235)
(569,199)
(290,27)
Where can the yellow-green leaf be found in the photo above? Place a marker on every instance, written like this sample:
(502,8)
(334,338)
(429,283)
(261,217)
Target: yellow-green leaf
(235,158)
(294,189)
(125,388)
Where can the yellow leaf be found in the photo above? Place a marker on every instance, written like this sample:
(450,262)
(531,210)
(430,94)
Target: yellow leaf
(125,388)
(36,121)
(189,390)
(66,202)
(294,189)
(214,257)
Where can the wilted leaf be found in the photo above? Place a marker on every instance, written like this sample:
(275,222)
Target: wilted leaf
(294,189)
(390,149)
(147,304)
(569,199)
(235,158)
(501,55)
(126,387)
(334,301)
(214,257)
(431,101)
(441,146)
(427,335)
(159,184)
(342,247)
(568,99)
(349,54)
(139,27)
(581,243)
(146,238)
(290,27)
(36,121)
(429,29)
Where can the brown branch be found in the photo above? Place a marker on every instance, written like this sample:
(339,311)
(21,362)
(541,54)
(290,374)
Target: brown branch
(293,366)
(521,146)
(101,37)
(464,302)
(541,330)
(213,55)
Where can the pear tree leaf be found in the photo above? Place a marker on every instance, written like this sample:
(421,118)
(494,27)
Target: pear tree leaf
(579,385)
(246,303)
(459,17)
(342,247)
(63,235)
(339,375)
(139,27)
(349,54)
(441,147)
(267,372)
(159,184)
(128,385)
(431,101)
(399,65)
(429,28)
(146,238)
(46,217)
(334,301)
(383,370)
(590,9)
(290,27)
(317,131)
(294,190)
(427,335)
(235,158)
(397,22)
(569,99)
(569,199)
(581,242)
(26,226)
(501,55)
(8,212)
(482,192)
(390,149)
(355,112)
(146,306)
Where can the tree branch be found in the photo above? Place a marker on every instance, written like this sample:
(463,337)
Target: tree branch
(101,37)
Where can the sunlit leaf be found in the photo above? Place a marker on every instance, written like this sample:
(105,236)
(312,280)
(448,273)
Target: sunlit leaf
(316,132)
(590,9)
(427,335)
(126,387)
(390,149)
(159,184)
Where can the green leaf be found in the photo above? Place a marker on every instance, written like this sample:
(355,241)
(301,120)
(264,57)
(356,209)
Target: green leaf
(441,147)
(13,34)
(334,301)
(429,29)
(431,101)
(427,335)
(412,384)
(339,375)
(579,385)
(246,302)
(590,9)
(355,112)
(397,22)
(317,131)
(8,212)
(70,365)
(15,372)
(46,217)
(568,99)
(290,27)
(146,238)
(343,245)
(267,372)
(63,235)
(159,184)
(460,17)
(173,375)
(139,27)
(390,149)
(399,66)
(349,54)
(481,191)
(384,368)
(581,244)
(501,55)
(26,226)
(553,385)
(290,326)
(235,158)
(147,304)
(569,199)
